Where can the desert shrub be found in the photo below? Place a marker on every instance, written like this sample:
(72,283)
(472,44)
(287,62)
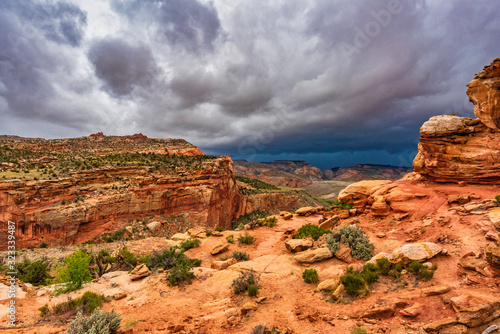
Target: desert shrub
(359,330)
(74,273)
(241,256)
(166,259)
(310,230)
(99,322)
(340,206)
(195,262)
(44,310)
(87,303)
(384,265)
(36,272)
(129,257)
(110,237)
(230,239)
(246,239)
(191,243)
(415,267)
(144,259)
(497,200)
(208,233)
(105,257)
(426,274)
(248,218)
(243,282)
(355,284)
(421,271)
(180,274)
(268,221)
(310,276)
(258,185)
(43,244)
(219,229)
(354,238)
(253,291)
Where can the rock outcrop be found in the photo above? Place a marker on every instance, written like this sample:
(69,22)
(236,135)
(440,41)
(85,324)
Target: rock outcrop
(454,149)
(484,92)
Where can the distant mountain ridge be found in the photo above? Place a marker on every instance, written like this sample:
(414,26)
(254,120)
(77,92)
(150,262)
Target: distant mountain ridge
(321,182)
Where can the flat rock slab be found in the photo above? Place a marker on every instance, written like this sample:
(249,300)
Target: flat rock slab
(494,216)
(298,245)
(313,255)
(415,252)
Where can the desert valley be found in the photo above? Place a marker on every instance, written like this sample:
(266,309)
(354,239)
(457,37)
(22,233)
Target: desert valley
(137,235)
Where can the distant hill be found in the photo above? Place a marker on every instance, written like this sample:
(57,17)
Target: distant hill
(321,182)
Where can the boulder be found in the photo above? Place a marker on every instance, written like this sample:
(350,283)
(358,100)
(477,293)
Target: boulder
(221,265)
(313,255)
(380,206)
(129,231)
(413,310)
(328,285)
(154,227)
(220,248)
(421,252)
(455,149)
(197,232)
(494,216)
(306,211)
(287,216)
(460,302)
(119,295)
(339,290)
(459,199)
(493,255)
(343,253)
(248,307)
(140,271)
(298,245)
(180,237)
(343,214)
(329,223)
(441,325)
(359,190)
(435,290)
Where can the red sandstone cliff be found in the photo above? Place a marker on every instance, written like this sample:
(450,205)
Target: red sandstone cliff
(454,148)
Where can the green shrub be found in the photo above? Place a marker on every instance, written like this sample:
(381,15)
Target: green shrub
(354,238)
(359,330)
(36,272)
(208,233)
(249,218)
(497,200)
(129,257)
(243,282)
(310,276)
(421,272)
(99,322)
(268,221)
(355,284)
(310,230)
(241,256)
(86,304)
(74,273)
(384,265)
(253,291)
(258,185)
(180,275)
(246,239)
(166,259)
(191,243)
(43,244)
(230,239)
(219,229)
(415,267)
(109,237)
(44,310)
(195,262)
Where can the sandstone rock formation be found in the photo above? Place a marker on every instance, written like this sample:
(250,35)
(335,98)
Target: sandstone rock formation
(454,149)
(484,92)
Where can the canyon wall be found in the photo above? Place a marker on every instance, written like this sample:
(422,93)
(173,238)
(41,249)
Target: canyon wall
(76,209)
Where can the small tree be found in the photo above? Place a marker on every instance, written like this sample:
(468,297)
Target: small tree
(75,272)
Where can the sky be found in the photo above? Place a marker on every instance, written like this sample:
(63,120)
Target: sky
(332,82)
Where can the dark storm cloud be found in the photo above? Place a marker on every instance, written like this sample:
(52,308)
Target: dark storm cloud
(186,23)
(122,66)
(321,79)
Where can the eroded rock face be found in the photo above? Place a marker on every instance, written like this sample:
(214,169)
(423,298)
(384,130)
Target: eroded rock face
(484,92)
(360,190)
(454,149)
(47,209)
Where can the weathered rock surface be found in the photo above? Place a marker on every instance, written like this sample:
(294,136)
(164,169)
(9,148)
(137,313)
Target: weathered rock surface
(221,265)
(306,211)
(484,92)
(140,271)
(313,255)
(494,216)
(220,248)
(359,190)
(421,252)
(298,245)
(330,284)
(493,255)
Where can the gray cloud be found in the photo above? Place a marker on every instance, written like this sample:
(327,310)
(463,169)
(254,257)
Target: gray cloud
(332,81)
(122,66)
(186,23)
